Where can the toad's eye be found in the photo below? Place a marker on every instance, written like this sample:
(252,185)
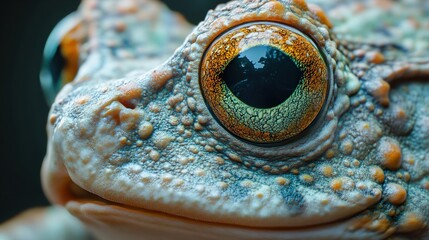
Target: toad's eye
(264,82)
(61,56)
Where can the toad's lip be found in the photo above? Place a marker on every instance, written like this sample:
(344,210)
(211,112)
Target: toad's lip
(109,220)
(112,220)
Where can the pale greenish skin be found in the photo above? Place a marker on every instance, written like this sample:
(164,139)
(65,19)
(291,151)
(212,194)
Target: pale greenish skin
(189,167)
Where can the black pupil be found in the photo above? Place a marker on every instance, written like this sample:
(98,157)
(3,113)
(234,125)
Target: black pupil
(262,76)
(56,65)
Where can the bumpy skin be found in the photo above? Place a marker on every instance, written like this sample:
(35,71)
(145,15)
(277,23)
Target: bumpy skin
(138,149)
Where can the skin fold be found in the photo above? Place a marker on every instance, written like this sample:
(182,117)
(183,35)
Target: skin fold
(135,152)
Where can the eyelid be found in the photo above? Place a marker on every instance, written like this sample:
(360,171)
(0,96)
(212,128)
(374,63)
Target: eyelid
(320,136)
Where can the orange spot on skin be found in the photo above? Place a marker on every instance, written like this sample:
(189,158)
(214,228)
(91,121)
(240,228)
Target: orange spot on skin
(306,178)
(399,115)
(327,171)
(120,26)
(154,155)
(359,223)
(266,168)
(360,7)
(301,4)
(127,7)
(282,181)
(411,222)
(123,141)
(392,213)
(220,160)
(218,23)
(292,19)
(330,154)
(385,4)
(375,57)
(407,177)
(379,225)
(337,184)
(325,202)
(414,22)
(160,78)
(347,147)
(342,183)
(52,119)
(390,154)
(377,174)
(275,8)
(285,168)
(396,194)
(82,100)
(234,157)
(375,224)
(316,10)
(379,89)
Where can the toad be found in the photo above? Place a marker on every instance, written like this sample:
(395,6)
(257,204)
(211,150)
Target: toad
(268,120)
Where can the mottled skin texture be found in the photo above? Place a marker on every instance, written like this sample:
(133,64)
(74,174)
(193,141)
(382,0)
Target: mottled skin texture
(133,149)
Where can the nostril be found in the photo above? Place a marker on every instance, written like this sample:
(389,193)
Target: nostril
(129,96)
(128,103)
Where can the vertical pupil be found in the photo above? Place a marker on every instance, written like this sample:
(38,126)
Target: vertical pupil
(262,76)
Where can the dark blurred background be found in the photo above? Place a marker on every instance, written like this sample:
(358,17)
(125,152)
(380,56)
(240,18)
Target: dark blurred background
(25,26)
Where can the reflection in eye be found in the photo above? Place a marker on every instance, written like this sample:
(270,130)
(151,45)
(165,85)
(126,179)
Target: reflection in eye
(60,57)
(264,82)
(255,76)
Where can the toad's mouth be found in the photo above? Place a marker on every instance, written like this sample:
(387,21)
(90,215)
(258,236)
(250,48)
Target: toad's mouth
(98,212)
(107,219)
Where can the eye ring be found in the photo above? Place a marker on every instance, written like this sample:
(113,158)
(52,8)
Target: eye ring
(279,121)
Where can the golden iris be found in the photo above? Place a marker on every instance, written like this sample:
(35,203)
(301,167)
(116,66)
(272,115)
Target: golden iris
(264,82)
